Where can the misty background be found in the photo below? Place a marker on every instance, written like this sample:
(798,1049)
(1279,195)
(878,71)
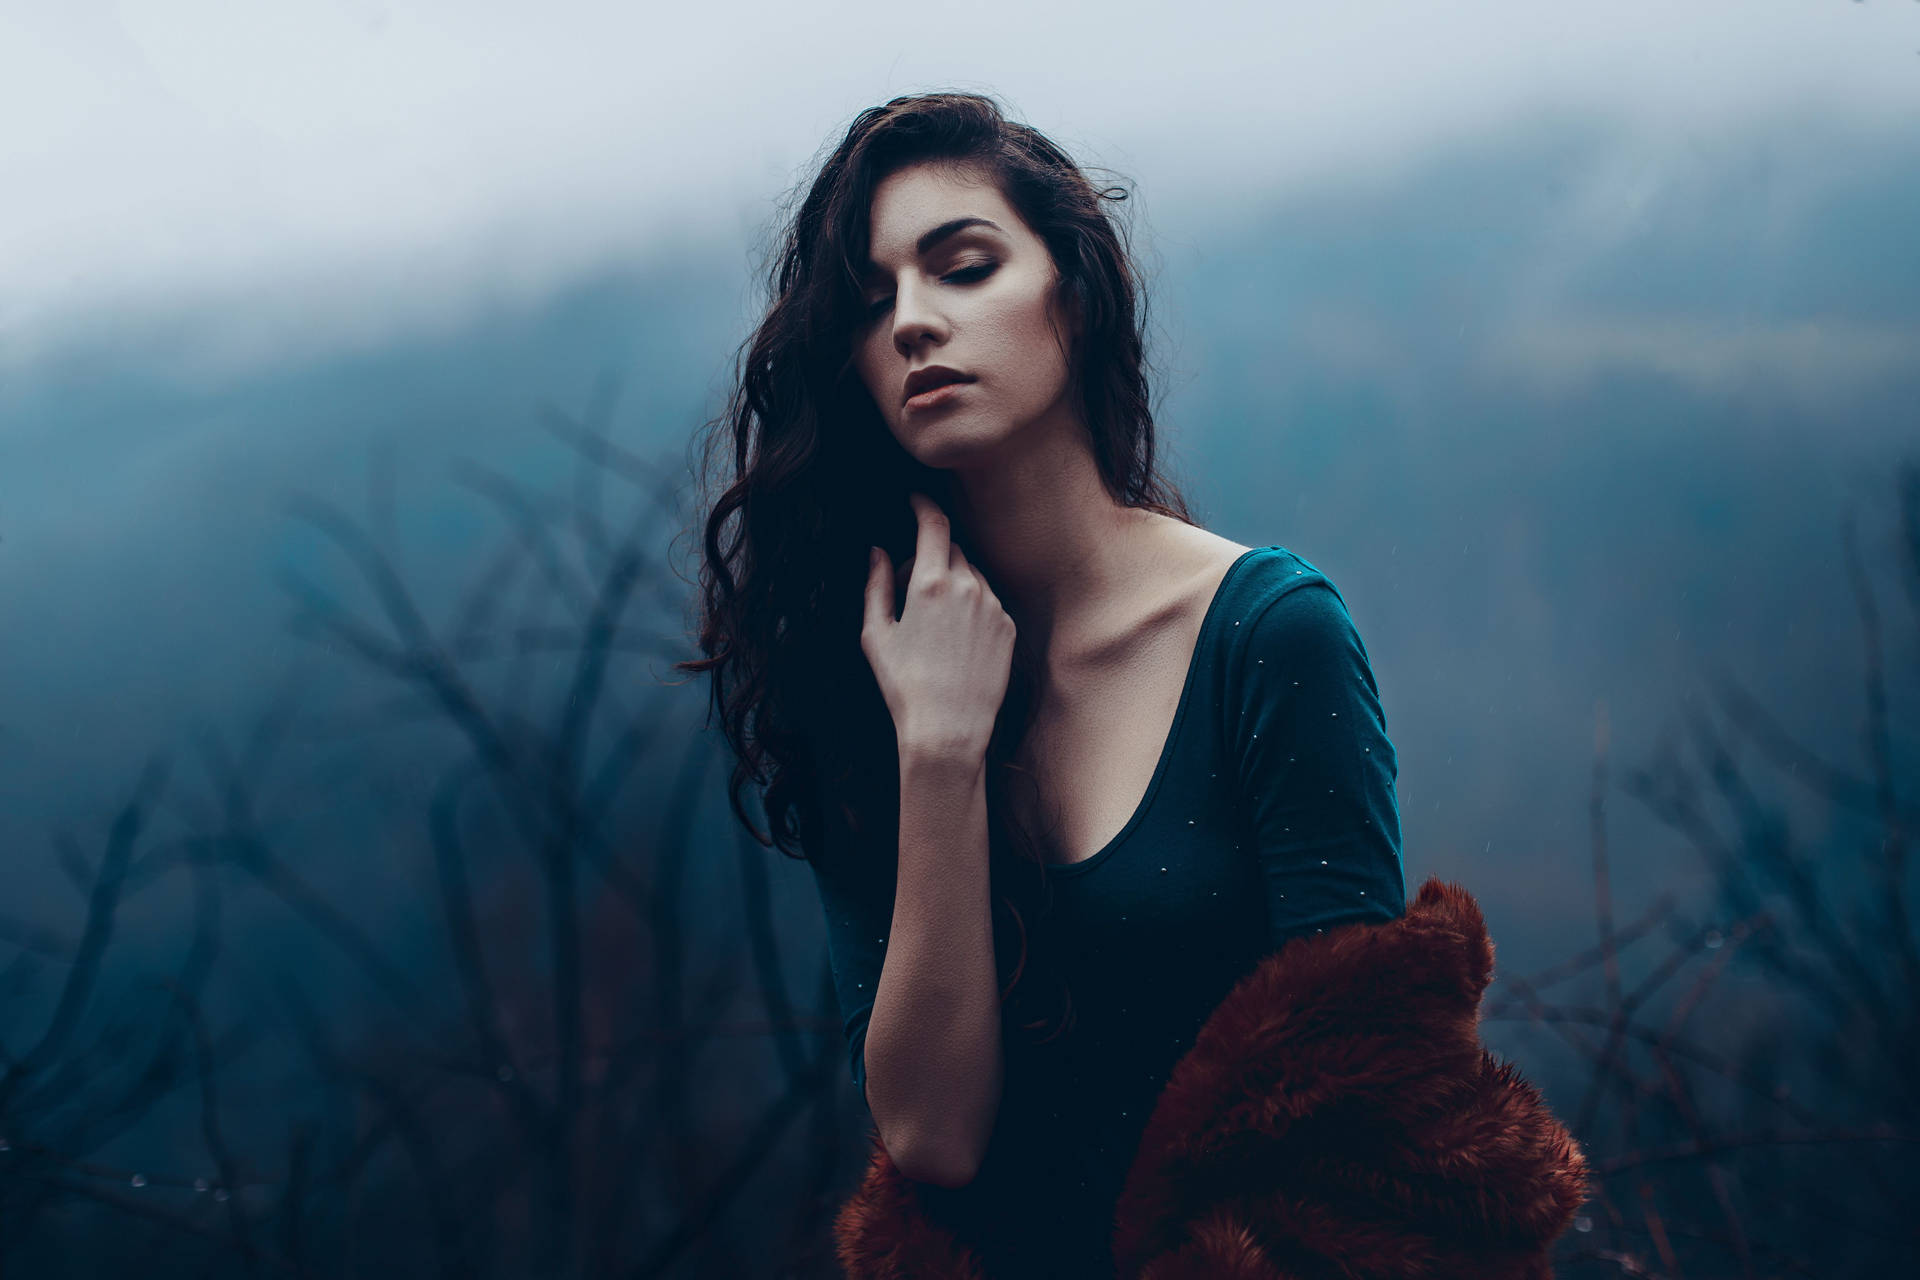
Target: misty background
(1566,340)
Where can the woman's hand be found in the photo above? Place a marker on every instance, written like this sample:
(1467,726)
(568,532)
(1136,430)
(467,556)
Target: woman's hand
(943,664)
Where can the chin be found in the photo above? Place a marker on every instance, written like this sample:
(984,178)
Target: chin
(953,441)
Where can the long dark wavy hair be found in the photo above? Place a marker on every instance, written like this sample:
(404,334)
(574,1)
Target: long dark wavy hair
(813,477)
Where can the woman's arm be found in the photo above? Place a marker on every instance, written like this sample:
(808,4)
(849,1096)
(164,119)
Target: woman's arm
(918,924)
(933,1052)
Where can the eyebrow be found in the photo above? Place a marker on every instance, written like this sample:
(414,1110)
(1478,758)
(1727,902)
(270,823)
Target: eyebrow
(927,241)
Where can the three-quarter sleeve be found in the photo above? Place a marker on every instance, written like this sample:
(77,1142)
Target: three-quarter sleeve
(856,895)
(1316,769)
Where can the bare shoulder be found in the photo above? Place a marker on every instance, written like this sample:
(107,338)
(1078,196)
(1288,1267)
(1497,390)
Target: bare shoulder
(1191,563)
(1205,555)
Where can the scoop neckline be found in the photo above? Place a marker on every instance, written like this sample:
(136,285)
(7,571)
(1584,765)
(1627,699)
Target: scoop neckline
(1173,732)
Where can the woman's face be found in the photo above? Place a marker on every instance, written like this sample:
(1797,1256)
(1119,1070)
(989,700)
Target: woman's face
(958,280)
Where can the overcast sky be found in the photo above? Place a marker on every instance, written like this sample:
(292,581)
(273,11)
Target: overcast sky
(378,168)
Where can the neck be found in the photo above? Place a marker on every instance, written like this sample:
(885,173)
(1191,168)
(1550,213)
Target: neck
(1054,544)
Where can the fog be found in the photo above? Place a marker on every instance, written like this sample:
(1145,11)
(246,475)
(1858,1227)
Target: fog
(1569,343)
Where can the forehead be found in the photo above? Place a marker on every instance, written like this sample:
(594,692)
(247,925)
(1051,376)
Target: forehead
(908,203)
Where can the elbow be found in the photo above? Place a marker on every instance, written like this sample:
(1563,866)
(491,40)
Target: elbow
(951,1174)
(932,1163)
(935,1143)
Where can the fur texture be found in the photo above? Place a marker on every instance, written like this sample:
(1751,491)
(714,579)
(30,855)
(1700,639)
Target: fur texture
(1336,1116)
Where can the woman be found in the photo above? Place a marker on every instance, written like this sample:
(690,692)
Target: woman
(1066,766)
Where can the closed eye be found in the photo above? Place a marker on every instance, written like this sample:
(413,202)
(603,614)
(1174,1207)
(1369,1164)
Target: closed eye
(966,275)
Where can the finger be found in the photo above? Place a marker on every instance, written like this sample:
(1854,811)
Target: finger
(960,564)
(879,599)
(986,588)
(935,536)
(902,575)
(976,575)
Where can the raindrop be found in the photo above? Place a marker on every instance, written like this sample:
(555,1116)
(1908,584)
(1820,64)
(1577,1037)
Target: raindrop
(1163,871)
(138,1180)
(1583,1223)
(1363,893)
(220,1194)
(1323,862)
(199,1184)
(1236,623)
(1298,572)
(1190,821)
(1259,662)
(1714,939)
(5,1145)
(1334,714)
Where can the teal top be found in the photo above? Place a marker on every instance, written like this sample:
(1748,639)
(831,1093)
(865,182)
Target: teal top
(1271,815)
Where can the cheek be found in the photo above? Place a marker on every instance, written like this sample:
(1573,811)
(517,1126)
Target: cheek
(1030,349)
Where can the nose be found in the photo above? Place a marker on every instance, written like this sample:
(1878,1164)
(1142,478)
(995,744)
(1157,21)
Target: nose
(915,318)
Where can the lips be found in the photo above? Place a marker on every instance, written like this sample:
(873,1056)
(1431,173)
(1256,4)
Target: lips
(929,378)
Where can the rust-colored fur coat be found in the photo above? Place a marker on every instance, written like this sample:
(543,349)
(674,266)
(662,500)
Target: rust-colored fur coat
(1337,1115)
